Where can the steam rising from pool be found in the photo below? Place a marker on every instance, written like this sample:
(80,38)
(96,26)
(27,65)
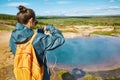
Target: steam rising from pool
(87,51)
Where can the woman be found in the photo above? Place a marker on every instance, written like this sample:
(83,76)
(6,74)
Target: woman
(46,39)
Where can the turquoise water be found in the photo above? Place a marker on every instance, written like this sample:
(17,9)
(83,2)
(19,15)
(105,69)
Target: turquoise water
(85,51)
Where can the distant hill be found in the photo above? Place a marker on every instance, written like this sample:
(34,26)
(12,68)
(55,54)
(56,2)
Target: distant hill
(13,17)
(7,17)
(63,17)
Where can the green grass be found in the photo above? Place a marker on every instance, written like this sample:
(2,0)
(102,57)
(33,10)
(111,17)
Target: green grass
(7,25)
(94,21)
(62,72)
(107,75)
(69,21)
(65,75)
(91,77)
(108,33)
(7,17)
(6,29)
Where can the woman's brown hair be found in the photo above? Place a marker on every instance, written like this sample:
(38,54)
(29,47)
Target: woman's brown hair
(25,14)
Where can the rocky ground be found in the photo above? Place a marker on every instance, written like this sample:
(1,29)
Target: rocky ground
(6,57)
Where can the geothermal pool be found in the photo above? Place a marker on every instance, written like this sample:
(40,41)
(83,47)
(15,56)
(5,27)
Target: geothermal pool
(87,51)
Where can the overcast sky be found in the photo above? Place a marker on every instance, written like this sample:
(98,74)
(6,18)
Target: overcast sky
(63,7)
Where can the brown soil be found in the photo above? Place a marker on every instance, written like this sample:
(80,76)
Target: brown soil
(6,59)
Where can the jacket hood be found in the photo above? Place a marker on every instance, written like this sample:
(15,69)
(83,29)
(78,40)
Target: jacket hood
(22,33)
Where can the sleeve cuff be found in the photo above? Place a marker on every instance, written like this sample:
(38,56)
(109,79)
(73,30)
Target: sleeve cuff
(51,28)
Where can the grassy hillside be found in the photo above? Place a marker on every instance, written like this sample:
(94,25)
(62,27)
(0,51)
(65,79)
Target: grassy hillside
(72,20)
(83,20)
(67,23)
(7,17)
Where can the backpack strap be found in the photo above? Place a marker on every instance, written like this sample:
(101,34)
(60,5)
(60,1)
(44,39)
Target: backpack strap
(31,40)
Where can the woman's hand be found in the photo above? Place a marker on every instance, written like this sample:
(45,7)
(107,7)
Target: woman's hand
(47,32)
